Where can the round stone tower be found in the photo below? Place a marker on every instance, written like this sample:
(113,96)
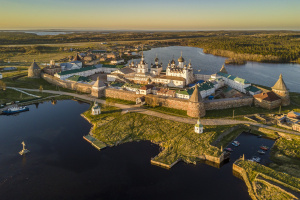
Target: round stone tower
(281,90)
(34,71)
(196,106)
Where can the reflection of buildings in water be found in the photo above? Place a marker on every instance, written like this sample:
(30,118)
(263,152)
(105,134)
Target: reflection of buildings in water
(54,101)
(36,105)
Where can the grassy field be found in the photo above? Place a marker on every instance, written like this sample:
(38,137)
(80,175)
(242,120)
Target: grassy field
(255,171)
(169,111)
(31,83)
(285,155)
(120,101)
(177,140)
(10,95)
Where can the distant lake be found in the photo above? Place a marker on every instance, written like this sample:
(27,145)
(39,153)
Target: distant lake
(47,32)
(62,165)
(260,73)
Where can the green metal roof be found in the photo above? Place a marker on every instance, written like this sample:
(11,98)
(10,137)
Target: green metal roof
(76,70)
(186,92)
(234,78)
(240,80)
(114,66)
(252,89)
(79,78)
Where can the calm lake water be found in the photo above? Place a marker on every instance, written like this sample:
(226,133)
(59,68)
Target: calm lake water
(260,73)
(61,165)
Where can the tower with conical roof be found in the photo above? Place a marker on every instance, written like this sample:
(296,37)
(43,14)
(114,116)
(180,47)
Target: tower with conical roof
(98,88)
(198,127)
(281,90)
(223,70)
(34,71)
(196,106)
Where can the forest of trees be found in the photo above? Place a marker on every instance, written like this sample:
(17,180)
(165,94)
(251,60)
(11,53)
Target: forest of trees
(261,46)
(273,47)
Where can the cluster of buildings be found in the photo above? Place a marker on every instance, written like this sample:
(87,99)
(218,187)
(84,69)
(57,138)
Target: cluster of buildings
(290,121)
(177,81)
(176,75)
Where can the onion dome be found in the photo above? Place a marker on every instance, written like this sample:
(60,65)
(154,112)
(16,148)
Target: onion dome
(173,62)
(156,59)
(181,59)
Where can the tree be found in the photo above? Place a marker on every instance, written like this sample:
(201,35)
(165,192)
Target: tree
(2,86)
(148,101)
(154,102)
(41,88)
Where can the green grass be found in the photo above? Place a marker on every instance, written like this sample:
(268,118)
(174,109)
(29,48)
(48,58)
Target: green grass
(32,83)
(285,155)
(177,140)
(169,111)
(253,169)
(10,95)
(120,101)
(266,191)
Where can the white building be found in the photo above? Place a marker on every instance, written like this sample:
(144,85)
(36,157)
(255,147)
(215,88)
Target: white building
(156,69)
(88,71)
(147,89)
(117,61)
(234,81)
(181,70)
(96,110)
(176,76)
(1,76)
(198,127)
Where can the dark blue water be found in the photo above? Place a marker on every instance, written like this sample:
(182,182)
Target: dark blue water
(61,165)
(260,73)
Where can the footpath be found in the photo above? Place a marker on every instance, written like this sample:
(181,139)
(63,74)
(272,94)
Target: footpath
(138,109)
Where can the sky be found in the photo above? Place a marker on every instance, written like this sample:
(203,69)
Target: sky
(150,14)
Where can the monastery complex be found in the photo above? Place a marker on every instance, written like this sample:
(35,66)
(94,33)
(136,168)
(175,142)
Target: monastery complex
(176,87)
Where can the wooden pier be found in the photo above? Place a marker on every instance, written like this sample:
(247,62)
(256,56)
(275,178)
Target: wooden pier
(94,142)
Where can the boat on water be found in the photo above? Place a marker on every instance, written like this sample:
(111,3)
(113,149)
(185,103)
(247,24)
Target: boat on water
(259,136)
(14,110)
(235,143)
(24,150)
(261,152)
(265,148)
(228,149)
(256,159)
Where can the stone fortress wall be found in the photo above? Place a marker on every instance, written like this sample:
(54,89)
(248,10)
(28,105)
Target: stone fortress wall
(169,102)
(80,87)
(219,104)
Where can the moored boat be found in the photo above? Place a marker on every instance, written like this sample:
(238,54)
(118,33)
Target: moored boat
(15,110)
(228,149)
(235,143)
(256,159)
(265,148)
(261,152)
